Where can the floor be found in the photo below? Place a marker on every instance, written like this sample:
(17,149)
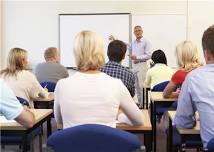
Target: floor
(161,140)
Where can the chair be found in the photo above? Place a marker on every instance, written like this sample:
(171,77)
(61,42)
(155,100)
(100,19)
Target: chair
(160,109)
(17,140)
(93,138)
(210,145)
(23,101)
(49,85)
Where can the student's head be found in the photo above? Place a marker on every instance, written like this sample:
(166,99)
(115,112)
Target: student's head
(116,51)
(16,61)
(187,55)
(159,56)
(138,32)
(208,44)
(89,51)
(51,54)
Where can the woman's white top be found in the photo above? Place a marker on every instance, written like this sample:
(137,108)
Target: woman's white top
(25,85)
(93,98)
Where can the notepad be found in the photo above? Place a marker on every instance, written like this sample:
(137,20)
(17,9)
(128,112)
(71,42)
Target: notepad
(4,120)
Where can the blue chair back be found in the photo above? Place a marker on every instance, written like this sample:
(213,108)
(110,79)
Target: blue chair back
(49,85)
(23,101)
(93,138)
(160,87)
(210,145)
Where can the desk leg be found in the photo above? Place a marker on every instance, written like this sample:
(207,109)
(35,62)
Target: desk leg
(25,143)
(154,126)
(49,128)
(169,137)
(147,98)
(143,98)
(148,141)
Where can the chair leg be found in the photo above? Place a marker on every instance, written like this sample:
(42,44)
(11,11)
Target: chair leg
(40,142)
(2,146)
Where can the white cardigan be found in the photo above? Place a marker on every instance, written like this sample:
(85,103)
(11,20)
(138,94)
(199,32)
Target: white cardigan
(93,98)
(25,85)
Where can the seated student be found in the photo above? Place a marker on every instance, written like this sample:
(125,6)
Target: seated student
(90,96)
(197,93)
(12,109)
(23,83)
(160,72)
(116,53)
(187,59)
(51,70)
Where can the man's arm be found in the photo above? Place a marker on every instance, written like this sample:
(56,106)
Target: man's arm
(26,118)
(185,113)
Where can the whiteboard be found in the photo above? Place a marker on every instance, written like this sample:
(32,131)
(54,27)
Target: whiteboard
(117,24)
(163,31)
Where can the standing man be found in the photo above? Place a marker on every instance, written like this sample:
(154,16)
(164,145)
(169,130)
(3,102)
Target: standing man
(116,53)
(197,93)
(51,70)
(141,52)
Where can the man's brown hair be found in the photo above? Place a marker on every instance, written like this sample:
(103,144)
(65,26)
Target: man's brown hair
(208,40)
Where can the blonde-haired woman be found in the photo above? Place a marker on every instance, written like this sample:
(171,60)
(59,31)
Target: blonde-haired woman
(22,82)
(90,96)
(187,60)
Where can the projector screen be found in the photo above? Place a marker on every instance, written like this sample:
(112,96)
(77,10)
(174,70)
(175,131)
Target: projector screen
(117,24)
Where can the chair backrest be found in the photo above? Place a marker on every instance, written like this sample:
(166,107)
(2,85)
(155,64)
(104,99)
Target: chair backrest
(94,138)
(23,101)
(210,145)
(160,87)
(49,85)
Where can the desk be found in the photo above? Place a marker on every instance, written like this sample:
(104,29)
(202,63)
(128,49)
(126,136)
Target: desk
(47,102)
(186,134)
(145,129)
(157,99)
(15,129)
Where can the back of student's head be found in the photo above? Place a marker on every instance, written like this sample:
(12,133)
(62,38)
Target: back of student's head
(116,50)
(159,56)
(50,53)
(187,55)
(15,60)
(208,40)
(89,51)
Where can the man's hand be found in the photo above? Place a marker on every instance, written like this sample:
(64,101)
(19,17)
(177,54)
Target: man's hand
(111,38)
(133,57)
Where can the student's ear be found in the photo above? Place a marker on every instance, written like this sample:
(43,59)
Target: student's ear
(208,56)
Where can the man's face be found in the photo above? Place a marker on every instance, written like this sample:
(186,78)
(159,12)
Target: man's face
(138,32)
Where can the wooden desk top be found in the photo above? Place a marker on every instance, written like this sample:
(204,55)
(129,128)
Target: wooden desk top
(158,96)
(145,127)
(195,130)
(39,115)
(50,98)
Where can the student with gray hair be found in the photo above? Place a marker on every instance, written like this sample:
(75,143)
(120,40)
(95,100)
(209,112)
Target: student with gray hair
(51,70)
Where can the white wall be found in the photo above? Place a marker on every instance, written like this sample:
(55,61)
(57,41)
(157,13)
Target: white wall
(201,16)
(1,51)
(33,25)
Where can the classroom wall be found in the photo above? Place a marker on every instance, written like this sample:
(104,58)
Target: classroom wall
(33,25)
(200,17)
